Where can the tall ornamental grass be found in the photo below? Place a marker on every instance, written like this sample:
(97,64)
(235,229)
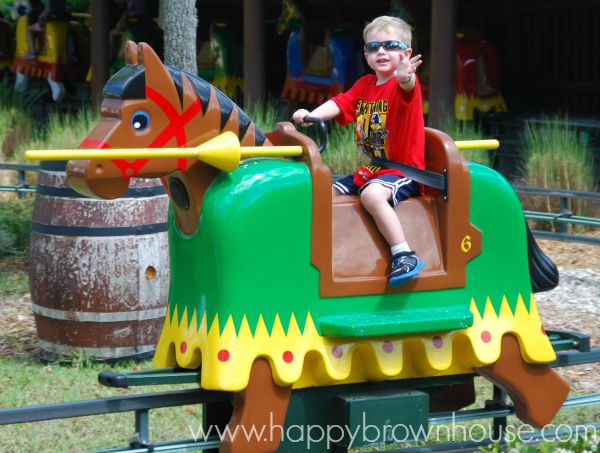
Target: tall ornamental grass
(19,130)
(18,133)
(469,130)
(554,157)
(340,154)
(15,130)
(265,115)
(62,132)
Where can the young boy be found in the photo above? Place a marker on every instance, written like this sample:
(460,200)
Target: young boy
(388,112)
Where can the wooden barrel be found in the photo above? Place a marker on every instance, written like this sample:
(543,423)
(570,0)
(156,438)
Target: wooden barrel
(98,269)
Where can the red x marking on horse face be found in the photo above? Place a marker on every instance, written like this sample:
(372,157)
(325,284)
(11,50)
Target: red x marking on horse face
(176,125)
(175,128)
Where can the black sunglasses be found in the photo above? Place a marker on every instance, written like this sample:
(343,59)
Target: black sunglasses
(374,46)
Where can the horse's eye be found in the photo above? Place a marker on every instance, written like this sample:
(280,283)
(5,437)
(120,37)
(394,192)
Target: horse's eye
(140,120)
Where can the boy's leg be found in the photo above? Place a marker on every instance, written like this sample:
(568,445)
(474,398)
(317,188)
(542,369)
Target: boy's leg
(406,264)
(375,199)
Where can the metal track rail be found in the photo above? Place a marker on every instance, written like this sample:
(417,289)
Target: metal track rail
(22,187)
(564,216)
(573,348)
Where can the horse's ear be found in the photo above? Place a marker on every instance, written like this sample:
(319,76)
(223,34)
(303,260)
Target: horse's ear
(158,77)
(131,53)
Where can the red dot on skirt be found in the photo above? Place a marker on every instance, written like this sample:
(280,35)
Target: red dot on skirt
(486,336)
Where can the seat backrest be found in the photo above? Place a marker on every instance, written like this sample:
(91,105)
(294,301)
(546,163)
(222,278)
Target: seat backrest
(446,218)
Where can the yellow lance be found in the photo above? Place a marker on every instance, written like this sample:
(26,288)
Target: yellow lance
(477,144)
(223,152)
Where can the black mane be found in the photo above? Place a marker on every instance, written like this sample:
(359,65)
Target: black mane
(130,83)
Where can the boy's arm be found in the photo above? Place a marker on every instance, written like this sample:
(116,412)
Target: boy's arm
(325,111)
(405,74)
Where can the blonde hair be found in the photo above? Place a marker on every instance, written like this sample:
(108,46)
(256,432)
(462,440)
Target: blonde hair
(389,23)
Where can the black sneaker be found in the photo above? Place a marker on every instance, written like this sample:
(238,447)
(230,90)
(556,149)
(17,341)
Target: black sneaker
(404,266)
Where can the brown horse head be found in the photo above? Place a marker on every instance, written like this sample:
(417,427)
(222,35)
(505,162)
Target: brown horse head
(150,105)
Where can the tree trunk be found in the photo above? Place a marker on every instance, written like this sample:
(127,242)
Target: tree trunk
(254,52)
(179,20)
(99,45)
(441,81)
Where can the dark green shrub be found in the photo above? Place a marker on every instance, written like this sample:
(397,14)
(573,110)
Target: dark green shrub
(78,6)
(15,225)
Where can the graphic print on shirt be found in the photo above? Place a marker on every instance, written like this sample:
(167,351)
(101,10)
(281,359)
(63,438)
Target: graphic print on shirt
(370,133)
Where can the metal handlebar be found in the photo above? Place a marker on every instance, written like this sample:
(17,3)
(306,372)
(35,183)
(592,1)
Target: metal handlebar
(322,128)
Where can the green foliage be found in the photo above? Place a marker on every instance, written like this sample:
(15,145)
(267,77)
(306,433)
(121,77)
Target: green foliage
(15,225)
(9,97)
(555,157)
(61,132)
(468,130)
(340,154)
(17,134)
(16,123)
(15,130)
(265,116)
(78,6)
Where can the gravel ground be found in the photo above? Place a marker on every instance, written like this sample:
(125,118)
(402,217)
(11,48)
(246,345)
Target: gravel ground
(573,305)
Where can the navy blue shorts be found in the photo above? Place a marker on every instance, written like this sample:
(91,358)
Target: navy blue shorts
(402,187)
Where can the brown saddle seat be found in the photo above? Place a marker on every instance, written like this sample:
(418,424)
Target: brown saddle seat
(346,246)
(359,251)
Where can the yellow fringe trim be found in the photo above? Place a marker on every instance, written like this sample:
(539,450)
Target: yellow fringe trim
(303,358)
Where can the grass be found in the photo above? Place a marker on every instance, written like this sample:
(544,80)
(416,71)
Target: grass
(25,382)
(19,132)
(61,132)
(340,153)
(15,130)
(13,276)
(554,157)
(266,115)
(469,130)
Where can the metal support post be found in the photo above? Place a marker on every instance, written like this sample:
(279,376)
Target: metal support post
(21,183)
(142,429)
(498,402)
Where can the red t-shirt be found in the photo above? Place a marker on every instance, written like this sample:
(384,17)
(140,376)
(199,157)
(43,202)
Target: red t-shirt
(388,123)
